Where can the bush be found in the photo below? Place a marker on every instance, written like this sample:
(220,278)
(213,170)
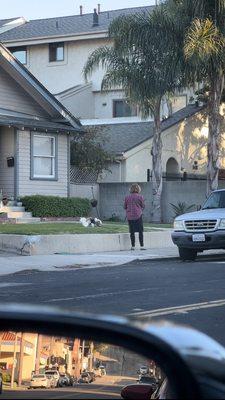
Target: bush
(181,208)
(6,377)
(52,206)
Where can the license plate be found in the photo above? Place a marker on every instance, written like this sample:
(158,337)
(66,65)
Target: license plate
(200,237)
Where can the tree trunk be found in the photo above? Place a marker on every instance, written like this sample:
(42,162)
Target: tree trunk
(157,168)
(213,147)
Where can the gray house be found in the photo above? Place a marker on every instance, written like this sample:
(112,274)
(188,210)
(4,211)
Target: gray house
(35,131)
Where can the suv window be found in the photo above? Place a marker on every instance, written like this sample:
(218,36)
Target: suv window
(216,200)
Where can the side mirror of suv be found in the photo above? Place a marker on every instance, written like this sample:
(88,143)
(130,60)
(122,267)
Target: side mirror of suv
(199,207)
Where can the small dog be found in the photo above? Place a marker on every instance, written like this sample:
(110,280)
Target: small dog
(87,222)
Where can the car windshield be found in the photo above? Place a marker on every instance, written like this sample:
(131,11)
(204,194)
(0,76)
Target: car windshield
(38,376)
(216,200)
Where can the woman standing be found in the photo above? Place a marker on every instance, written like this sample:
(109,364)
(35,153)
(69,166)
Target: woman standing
(134,206)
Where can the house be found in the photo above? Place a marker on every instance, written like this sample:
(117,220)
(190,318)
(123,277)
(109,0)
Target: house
(184,137)
(35,130)
(56,49)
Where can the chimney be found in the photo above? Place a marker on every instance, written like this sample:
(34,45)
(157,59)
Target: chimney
(99,9)
(81,10)
(95,18)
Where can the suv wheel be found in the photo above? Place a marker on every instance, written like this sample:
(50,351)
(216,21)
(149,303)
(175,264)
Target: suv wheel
(187,254)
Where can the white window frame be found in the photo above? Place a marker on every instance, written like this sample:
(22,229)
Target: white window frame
(53,157)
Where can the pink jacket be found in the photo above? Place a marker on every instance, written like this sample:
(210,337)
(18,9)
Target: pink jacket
(134,206)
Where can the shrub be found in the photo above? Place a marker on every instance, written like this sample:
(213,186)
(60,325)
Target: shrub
(6,377)
(181,208)
(52,206)
(114,218)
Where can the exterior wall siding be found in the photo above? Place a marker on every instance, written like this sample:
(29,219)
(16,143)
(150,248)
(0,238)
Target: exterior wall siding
(27,186)
(6,150)
(14,98)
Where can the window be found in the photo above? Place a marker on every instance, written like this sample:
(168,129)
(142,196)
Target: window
(122,109)
(56,52)
(43,157)
(20,53)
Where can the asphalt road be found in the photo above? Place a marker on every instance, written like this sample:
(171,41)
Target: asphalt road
(189,293)
(83,391)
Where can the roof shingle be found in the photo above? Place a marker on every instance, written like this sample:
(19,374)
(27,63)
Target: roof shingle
(123,137)
(71,25)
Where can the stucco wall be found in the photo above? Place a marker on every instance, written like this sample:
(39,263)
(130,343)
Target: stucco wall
(6,150)
(26,186)
(59,76)
(79,102)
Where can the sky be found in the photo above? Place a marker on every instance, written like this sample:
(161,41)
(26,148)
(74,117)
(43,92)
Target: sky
(35,9)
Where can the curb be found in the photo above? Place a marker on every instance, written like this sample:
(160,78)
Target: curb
(177,258)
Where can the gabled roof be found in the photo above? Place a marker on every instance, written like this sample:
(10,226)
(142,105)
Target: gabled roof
(121,138)
(35,89)
(67,26)
(7,21)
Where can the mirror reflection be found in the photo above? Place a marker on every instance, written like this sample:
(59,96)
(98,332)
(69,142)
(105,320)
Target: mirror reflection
(36,366)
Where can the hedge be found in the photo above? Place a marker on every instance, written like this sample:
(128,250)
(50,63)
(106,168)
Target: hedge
(52,206)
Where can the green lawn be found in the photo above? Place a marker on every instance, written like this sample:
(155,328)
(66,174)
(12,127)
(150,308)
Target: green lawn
(57,228)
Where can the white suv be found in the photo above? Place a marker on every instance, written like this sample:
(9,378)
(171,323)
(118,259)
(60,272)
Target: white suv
(201,230)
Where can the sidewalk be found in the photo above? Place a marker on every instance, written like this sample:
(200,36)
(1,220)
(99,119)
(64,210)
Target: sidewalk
(10,264)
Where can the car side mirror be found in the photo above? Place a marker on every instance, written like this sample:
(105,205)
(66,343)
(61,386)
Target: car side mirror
(199,207)
(175,351)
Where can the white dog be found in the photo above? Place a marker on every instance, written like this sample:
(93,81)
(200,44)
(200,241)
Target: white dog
(86,222)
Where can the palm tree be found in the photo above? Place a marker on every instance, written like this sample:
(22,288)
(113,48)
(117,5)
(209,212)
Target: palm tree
(145,63)
(203,31)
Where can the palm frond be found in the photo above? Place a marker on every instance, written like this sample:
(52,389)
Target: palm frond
(203,40)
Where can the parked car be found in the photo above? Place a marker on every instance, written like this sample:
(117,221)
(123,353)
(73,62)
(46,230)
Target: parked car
(39,381)
(53,375)
(64,380)
(102,369)
(1,382)
(85,378)
(146,379)
(143,370)
(138,392)
(201,230)
(98,372)
(92,375)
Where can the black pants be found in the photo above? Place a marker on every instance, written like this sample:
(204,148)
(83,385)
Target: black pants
(136,226)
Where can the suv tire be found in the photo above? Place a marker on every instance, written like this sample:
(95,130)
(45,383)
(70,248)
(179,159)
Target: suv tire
(187,254)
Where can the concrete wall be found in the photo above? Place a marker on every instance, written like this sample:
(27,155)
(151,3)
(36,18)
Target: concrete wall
(83,243)
(112,199)
(6,150)
(84,191)
(191,192)
(26,186)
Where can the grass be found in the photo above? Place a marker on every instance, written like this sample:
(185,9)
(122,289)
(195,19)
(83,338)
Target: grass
(57,228)
(146,225)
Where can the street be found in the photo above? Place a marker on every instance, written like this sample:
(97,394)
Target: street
(191,293)
(93,391)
